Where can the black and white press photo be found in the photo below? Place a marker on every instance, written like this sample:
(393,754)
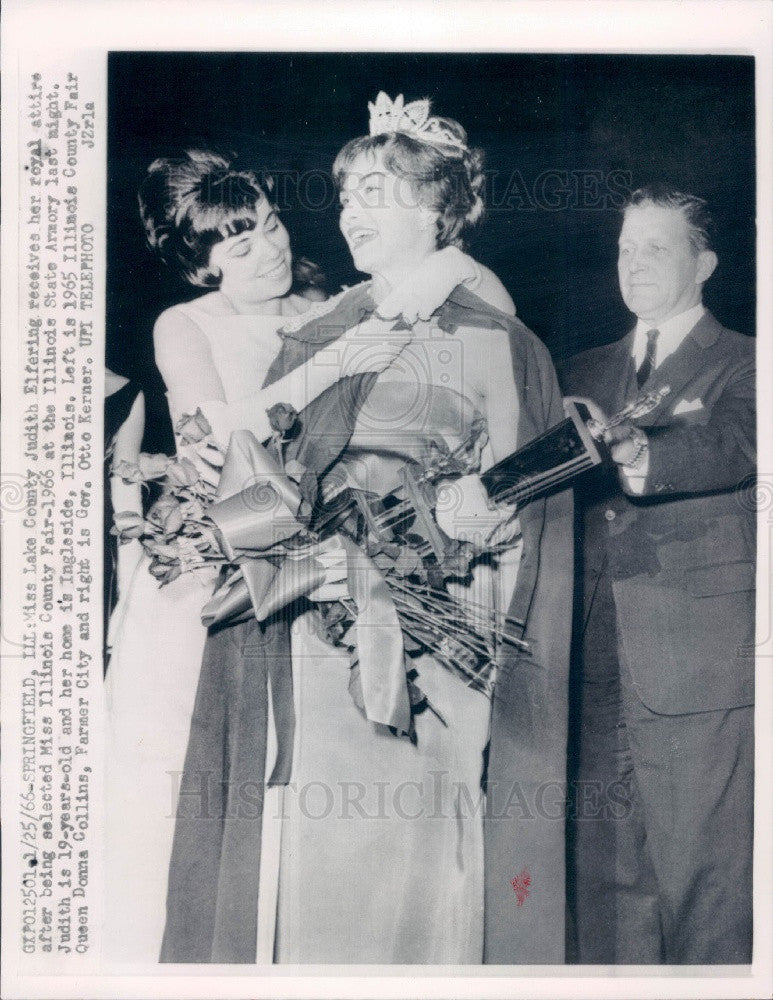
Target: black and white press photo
(385,505)
(357,265)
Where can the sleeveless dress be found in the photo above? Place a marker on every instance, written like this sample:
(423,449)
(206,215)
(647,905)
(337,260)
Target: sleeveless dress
(157,644)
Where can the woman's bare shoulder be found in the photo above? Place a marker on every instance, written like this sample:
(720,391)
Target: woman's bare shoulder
(212,303)
(483,336)
(182,316)
(177,334)
(486,356)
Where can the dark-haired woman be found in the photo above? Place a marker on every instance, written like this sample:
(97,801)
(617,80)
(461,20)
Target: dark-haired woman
(218,228)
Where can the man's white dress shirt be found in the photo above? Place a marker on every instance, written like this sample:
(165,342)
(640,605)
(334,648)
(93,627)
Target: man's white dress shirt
(670,336)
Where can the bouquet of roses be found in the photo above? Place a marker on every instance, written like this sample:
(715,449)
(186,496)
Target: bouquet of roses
(177,532)
(376,564)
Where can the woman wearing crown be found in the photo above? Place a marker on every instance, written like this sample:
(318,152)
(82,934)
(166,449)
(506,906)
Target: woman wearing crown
(383,856)
(215,225)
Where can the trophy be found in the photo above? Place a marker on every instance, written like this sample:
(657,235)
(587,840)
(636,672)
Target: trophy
(405,515)
(561,453)
(546,463)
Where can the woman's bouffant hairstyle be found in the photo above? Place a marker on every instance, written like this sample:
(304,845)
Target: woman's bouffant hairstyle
(446,179)
(191,202)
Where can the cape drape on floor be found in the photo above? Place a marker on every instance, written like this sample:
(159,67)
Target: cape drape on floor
(213,880)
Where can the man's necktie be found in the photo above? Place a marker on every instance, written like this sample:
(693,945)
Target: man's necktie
(645,368)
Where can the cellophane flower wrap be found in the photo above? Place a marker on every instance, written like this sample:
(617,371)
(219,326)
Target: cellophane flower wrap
(338,508)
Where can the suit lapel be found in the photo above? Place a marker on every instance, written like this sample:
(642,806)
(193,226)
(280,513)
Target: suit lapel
(680,368)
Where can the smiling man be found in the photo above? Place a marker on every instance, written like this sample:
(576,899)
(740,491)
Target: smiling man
(662,744)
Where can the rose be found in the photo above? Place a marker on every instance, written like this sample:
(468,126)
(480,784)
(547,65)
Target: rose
(129,472)
(166,552)
(192,510)
(408,563)
(193,428)
(457,558)
(334,612)
(282,417)
(207,541)
(210,453)
(153,466)
(166,513)
(165,572)
(128,524)
(182,472)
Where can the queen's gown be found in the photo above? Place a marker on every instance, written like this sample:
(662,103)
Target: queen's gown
(373,853)
(382,840)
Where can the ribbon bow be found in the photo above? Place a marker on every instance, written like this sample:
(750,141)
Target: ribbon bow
(256,512)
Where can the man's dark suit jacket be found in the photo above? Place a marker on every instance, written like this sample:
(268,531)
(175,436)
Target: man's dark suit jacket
(681,557)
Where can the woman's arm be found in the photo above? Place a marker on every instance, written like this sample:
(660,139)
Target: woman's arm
(126,448)
(464,509)
(184,358)
(492,365)
(128,496)
(434,280)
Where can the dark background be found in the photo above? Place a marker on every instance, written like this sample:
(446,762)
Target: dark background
(606,124)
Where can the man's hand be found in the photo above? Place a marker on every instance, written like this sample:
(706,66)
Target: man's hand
(597,414)
(626,444)
(625,441)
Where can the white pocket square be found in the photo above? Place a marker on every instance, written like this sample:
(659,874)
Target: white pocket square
(687,406)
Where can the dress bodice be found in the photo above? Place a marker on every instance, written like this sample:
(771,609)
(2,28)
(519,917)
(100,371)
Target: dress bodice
(243,347)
